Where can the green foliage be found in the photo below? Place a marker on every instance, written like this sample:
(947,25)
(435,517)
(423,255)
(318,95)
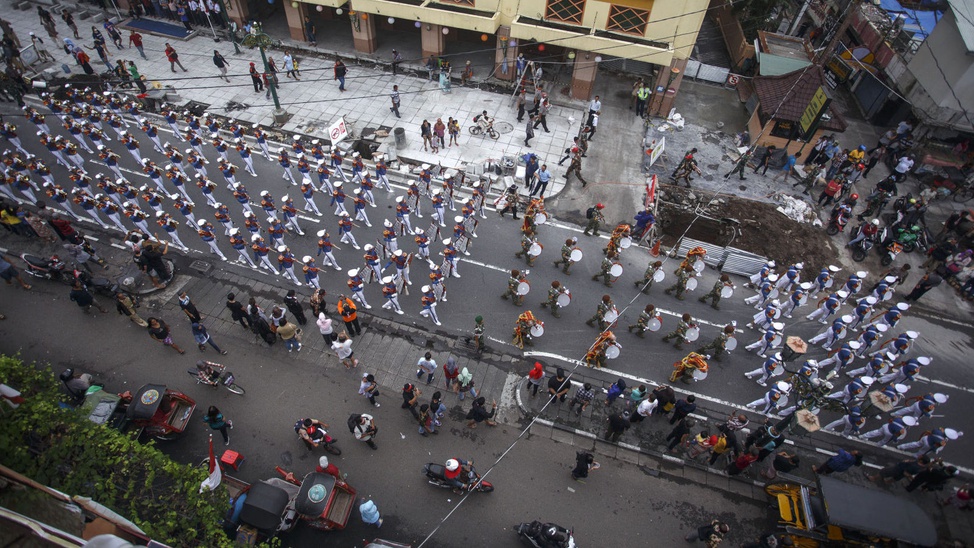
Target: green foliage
(58,447)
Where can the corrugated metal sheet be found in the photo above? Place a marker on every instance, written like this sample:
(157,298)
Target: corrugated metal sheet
(696,69)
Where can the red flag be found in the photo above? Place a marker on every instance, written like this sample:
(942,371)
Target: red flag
(216,473)
(651,190)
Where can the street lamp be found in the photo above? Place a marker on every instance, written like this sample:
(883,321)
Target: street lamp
(258,38)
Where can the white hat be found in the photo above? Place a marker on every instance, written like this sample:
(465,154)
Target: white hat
(198,176)
(297,137)
(238,140)
(399,199)
(255,126)
(772,277)
(281,248)
(458,219)
(889,279)
(271,220)
(778,326)
(264,193)
(189,151)
(234,231)
(912,334)
(126,203)
(437,191)
(426,166)
(337,184)
(101,147)
(425,289)
(924,360)
(352,272)
(357,191)
(168,167)
(833,268)
(201,222)
(847,318)
(174,196)
(862,274)
(870,300)
(307,259)
(159,214)
(255,237)
(369,247)
(398,253)
(321,162)
(417,231)
(285,198)
(344,214)
(387,279)
(805,285)
(799,266)
(321,233)
(854,345)
(447,241)
(386,223)
(315,141)
(300,155)
(143,188)
(902,307)
(772,264)
(281,149)
(841,294)
(355,155)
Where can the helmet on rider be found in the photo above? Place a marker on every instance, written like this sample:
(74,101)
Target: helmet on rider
(876,222)
(452,465)
(854,196)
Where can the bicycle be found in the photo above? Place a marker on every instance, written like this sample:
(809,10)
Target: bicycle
(477,129)
(218,376)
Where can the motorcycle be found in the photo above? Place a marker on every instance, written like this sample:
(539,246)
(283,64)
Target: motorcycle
(892,250)
(837,223)
(436,475)
(909,238)
(49,269)
(319,439)
(875,203)
(545,535)
(861,249)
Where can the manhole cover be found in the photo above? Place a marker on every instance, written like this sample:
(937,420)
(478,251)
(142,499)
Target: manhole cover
(504,127)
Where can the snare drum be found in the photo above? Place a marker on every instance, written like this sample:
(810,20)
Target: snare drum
(776,340)
(841,333)
(699,375)
(576,255)
(615,270)
(563,299)
(654,324)
(778,368)
(803,300)
(726,292)
(535,249)
(782,401)
(659,275)
(523,288)
(731,343)
(540,218)
(698,266)
(612,352)
(829,282)
(537,329)
(625,242)
(611,315)
(692,334)
(888,295)
(691,284)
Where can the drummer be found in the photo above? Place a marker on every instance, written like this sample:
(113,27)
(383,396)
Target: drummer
(693,255)
(716,293)
(605,305)
(529,222)
(693,362)
(868,338)
(905,373)
(512,287)
(893,431)
(522,329)
(556,290)
(791,277)
(901,345)
(932,442)
(762,275)
(768,403)
(763,319)
(919,407)
(824,280)
(649,276)
(864,307)
(827,306)
(683,274)
(605,269)
(596,355)
(849,423)
(891,317)
(853,392)
(832,334)
(680,333)
(797,299)
(768,340)
(528,241)
(566,255)
(841,359)
(875,367)
(766,293)
(642,324)
(885,399)
(717,346)
(772,367)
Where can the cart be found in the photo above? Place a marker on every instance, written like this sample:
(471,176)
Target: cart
(153,409)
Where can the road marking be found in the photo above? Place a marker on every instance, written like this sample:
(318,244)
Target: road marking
(696,320)
(118,246)
(945,384)
(484,265)
(310,219)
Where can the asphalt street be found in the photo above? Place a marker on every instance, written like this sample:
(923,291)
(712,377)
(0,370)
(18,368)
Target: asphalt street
(484,277)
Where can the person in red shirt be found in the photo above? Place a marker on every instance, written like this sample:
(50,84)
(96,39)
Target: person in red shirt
(173,58)
(324,467)
(135,39)
(742,462)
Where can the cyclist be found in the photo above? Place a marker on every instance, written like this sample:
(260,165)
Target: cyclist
(484,121)
(208,372)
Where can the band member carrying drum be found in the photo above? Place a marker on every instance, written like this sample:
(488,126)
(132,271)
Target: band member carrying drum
(558,297)
(569,255)
(530,248)
(619,239)
(610,269)
(691,368)
(604,344)
(680,333)
(718,291)
(654,273)
(526,323)
(717,346)
(683,274)
(517,287)
(605,314)
(694,255)
(643,324)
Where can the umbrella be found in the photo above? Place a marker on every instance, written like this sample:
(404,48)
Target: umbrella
(808,420)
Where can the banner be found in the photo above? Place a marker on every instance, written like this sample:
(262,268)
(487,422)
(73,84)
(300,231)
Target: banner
(216,474)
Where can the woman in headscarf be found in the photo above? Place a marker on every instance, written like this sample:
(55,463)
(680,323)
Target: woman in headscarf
(535,376)
(465,383)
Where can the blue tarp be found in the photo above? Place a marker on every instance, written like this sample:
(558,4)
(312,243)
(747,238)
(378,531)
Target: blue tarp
(919,23)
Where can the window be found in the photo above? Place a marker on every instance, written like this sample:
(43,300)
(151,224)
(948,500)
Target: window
(458,2)
(568,11)
(627,20)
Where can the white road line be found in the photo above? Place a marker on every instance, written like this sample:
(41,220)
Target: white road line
(311,219)
(485,265)
(945,384)
(718,401)
(118,246)
(697,320)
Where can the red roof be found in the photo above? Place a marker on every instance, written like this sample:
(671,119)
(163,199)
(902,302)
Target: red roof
(772,90)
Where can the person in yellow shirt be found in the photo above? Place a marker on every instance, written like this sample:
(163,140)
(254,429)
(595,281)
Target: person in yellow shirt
(855,156)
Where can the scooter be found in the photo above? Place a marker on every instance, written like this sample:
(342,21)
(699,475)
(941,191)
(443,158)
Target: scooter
(53,269)
(837,222)
(892,250)
(545,535)
(861,249)
(436,475)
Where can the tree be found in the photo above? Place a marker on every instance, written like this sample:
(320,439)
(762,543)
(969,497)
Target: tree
(56,446)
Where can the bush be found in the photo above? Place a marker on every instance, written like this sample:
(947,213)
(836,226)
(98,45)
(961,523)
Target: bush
(58,447)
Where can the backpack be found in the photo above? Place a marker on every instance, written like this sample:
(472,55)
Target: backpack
(353,421)
(590,213)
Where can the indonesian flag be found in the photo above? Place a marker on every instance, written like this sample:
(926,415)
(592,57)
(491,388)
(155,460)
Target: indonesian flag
(216,474)
(651,190)
(11,396)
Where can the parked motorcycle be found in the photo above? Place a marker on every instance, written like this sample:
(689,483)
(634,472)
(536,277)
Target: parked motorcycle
(839,219)
(892,250)
(53,269)
(545,535)
(436,475)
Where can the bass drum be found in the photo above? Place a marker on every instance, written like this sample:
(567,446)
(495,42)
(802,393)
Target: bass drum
(692,334)
(726,292)
(699,375)
(611,315)
(698,266)
(563,299)
(612,352)
(576,255)
(523,288)
(691,284)
(537,330)
(731,343)
(615,270)
(535,249)
(654,324)
(540,218)
(659,275)
(625,242)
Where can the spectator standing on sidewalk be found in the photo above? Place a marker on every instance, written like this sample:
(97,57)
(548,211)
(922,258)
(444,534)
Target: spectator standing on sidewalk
(426,421)
(222,64)
(529,131)
(340,72)
(159,331)
(396,60)
(742,462)
(369,388)
(683,408)
(173,58)
(368,510)
(214,418)
(535,376)
(679,433)
(410,398)
(618,424)
(255,78)
(135,39)
(450,373)
(290,334)
(237,312)
(343,347)
(428,366)
(310,32)
(326,328)
(294,306)
(188,308)
(346,308)
(558,386)
(394,96)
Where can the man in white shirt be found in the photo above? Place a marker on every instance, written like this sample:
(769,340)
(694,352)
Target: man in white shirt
(903,166)
(594,107)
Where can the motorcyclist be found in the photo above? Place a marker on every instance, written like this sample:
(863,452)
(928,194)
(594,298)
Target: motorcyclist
(840,215)
(207,373)
(458,473)
(867,230)
(312,431)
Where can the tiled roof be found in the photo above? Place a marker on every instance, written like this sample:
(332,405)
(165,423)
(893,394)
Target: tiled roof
(771,90)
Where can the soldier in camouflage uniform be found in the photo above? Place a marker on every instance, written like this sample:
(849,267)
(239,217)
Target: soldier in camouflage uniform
(554,291)
(595,220)
(607,263)
(642,324)
(715,292)
(647,281)
(716,346)
(605,305)
(682,275)
(526,241)
(680,333)
(516,278)
(566,253)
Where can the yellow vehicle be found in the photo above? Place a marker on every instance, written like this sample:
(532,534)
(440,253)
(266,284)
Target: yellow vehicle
(836,513)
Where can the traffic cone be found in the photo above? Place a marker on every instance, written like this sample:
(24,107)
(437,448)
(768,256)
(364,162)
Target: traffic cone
(655,251)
